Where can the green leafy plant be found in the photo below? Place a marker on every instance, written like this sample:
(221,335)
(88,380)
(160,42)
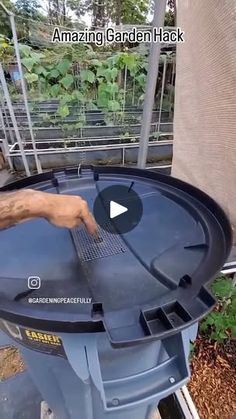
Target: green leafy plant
(192,351)
(63,66)
(87,75)
(63,111)
(67,81)
(6,48)
(221,323)
(83,81)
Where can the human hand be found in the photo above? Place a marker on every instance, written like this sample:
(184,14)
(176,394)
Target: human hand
(69,211)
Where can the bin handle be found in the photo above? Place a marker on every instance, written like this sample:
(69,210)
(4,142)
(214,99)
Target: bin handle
(152,384)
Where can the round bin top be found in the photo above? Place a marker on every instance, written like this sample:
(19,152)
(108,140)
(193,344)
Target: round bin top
(142,284)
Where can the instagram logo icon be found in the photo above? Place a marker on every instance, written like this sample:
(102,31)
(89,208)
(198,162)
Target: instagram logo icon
(34,282)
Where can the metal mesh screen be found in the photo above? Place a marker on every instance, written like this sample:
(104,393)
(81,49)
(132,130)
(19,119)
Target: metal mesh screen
(103,245)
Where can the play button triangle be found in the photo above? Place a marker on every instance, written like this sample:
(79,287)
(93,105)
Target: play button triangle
(116,209)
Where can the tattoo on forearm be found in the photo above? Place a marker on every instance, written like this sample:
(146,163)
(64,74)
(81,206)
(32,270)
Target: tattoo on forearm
(13,209)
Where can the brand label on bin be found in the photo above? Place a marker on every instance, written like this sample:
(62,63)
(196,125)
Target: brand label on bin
(33,339)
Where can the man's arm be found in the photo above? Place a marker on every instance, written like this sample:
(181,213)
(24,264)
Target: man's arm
(60,210)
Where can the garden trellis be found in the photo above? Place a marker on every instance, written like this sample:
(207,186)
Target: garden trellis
(80,97)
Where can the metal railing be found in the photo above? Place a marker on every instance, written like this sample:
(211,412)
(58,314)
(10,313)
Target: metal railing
(12,129)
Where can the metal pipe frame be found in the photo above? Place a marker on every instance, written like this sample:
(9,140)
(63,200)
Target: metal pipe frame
(5,142)
(16,46)
(6,116)
(162,92)
(154,55)
(13,118)
(18,59)
(171,96)
(93,127)
(135,113)
(92,139)
(5,9)
(14,153)
(125,87)
(229,268)
(190,403)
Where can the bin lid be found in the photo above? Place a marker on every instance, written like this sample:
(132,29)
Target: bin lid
(136,285)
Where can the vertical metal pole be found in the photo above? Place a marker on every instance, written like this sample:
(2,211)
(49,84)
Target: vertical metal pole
(13,118)
(172,86)
(125,87)
(16,46)
(133,92)
(5,142)
(154,54)
(123,156)
(162,92)
(4,109)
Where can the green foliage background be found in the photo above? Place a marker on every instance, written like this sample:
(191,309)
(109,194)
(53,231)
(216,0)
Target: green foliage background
(221,323)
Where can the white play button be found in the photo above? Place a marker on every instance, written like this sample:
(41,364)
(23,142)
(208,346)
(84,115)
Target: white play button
(116,209)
